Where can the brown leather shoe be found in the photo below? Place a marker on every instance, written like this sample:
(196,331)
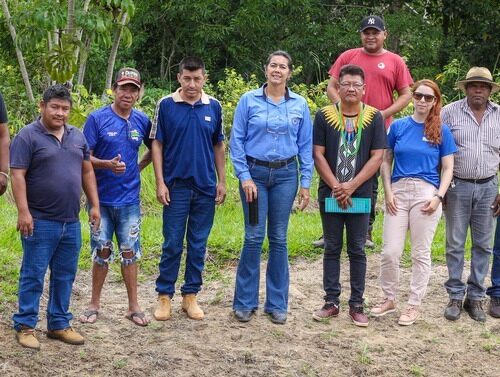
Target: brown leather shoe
(67,335)
(453,310)
(190,306)
(329,310)
(26,337)
(164,309)
(358,317)
(475,309)
(494,307)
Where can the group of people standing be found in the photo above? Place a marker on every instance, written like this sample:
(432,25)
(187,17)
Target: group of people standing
(431,157)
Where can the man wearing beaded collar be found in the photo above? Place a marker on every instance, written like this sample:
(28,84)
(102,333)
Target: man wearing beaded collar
(385,72)
(348,144)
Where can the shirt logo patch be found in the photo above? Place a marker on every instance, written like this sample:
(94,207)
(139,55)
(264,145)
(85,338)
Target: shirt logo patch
(295,121)
(112,133)
(134,135)
(208,118)
(381,65)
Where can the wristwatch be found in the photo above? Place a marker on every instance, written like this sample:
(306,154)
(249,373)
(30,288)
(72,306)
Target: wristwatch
(439,197)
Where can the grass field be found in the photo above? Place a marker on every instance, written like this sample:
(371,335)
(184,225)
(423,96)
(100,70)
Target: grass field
(224,243)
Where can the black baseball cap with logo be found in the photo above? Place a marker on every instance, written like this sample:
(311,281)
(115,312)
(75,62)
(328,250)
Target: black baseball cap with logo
(374,22)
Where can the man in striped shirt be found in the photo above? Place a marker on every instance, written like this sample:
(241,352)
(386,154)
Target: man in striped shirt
(473,196)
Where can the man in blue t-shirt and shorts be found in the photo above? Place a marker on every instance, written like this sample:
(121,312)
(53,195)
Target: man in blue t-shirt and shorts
(115,134)
(187,150)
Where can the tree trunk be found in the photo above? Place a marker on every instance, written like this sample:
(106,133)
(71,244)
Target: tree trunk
(83,60)
(79,34)
(170,57)
(70,27)
(162,55)
(19,53)
(113,53)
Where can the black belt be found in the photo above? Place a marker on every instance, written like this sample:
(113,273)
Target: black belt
(271,164)
(478,181)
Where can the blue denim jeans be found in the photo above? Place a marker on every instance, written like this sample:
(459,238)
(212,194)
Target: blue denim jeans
(125,223)
(494,290)
(356,226)
(276,190)
(56,245)
(469,204)
(190,213)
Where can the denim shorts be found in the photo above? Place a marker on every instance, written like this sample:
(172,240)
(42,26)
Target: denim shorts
(124,223)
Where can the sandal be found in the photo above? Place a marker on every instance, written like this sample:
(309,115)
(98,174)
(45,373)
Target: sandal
(84,317)
(139,315)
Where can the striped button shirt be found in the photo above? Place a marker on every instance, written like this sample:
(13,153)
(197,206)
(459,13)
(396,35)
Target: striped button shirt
(478,155)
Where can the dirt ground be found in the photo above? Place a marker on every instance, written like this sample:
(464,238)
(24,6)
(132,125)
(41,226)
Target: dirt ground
(220,346)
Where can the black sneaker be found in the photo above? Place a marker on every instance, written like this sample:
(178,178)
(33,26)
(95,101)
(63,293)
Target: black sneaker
(243,315)
(453,310)
(475,309)
(278,318)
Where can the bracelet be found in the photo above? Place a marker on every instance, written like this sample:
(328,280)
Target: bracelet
(6,175)
(439,197)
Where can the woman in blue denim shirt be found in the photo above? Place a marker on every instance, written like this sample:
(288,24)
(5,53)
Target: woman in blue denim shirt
(272,127)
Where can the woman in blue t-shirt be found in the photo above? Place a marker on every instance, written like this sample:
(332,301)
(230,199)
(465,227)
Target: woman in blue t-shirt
(422,150)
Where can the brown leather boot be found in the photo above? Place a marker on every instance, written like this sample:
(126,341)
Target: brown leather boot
(190,306)
(67,335)
(164,308)
(27,338)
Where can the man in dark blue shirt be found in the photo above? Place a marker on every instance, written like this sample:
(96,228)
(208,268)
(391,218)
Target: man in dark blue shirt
(187,150)
(50,164)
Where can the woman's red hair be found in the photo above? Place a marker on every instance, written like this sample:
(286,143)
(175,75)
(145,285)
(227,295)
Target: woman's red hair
(432,124)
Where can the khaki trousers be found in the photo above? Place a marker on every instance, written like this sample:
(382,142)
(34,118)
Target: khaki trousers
(410,194)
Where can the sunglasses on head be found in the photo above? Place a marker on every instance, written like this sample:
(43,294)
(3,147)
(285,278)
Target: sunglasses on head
(426,97)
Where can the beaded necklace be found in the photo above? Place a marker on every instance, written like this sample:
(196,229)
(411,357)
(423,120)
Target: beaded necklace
(358,124)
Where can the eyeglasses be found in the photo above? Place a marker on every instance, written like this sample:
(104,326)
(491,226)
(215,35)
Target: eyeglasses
(427,97)
(355,85)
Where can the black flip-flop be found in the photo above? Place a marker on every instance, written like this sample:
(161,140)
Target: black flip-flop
(89,313)
(139,315)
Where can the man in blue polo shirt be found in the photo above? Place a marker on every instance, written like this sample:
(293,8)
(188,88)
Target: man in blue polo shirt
(50,164)
(187,150)
(115,133)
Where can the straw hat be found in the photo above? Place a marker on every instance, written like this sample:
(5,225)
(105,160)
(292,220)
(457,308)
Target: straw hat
(479,74)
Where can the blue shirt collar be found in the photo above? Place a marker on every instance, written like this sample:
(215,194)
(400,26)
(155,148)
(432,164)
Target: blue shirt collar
(288,93)
(176,96)
(44,130)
